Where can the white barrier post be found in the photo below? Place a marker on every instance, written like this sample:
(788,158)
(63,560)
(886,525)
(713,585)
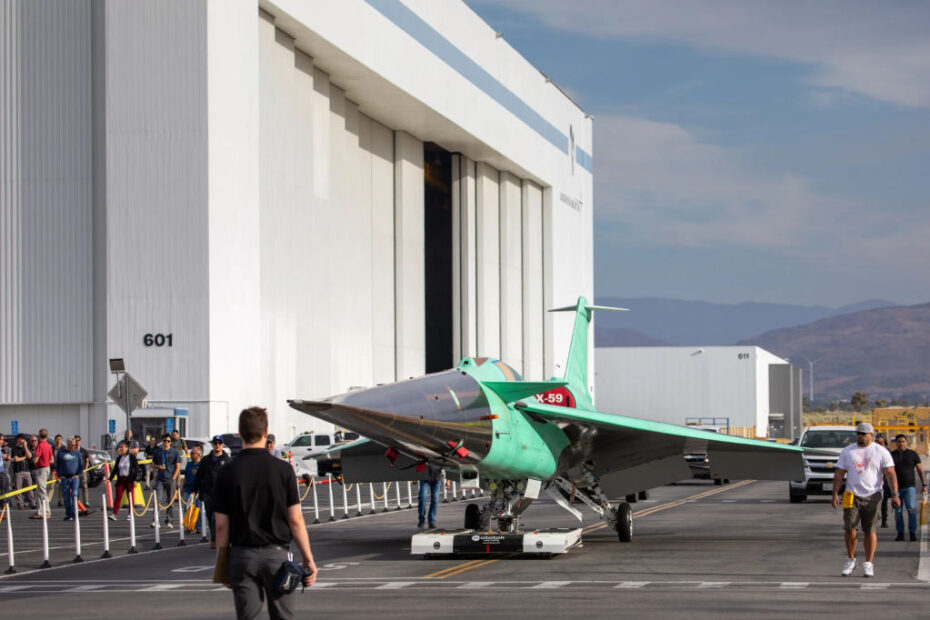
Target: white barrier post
(409,494)
(106,528)
(384,496)
(204,523)
(9,542)
(445,493)
(358,498)
(455,491)
(77,531)
(371,491)
(132,520)
(345,500)
(332,509)
(44,507)
(397,494)
(316,505)
(157,524)
(181,542)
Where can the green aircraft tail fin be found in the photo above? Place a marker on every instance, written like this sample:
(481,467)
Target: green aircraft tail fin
(576,367)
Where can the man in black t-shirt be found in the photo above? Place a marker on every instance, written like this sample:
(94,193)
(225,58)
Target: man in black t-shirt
(905,462)
(257,516)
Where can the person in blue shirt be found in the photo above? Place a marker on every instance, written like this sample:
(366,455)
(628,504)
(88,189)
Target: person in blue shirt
(69,464)
(167,464)
(190,473)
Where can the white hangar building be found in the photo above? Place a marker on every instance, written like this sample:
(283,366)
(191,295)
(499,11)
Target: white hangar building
(745,388)
(250,202)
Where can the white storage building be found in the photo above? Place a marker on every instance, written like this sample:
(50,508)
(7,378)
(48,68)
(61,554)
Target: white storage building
(251,201)
(745,388)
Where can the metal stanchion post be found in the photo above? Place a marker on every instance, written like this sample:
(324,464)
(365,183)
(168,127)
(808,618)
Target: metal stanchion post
(371,491)
(77,531)
(332,509)
(397,494)
(45,508)
(9,542)
(384,496)
(358,498)
(109,489)
(132,520)
(316,504)
(181,542)
(157,524)
(345,500)
(106,528)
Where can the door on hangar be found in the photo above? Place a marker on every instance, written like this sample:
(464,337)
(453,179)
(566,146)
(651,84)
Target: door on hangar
(437,218)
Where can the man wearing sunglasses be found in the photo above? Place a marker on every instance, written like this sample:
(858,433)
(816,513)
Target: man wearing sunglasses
(863,465)
(906,461)
(205,480)
(167,463)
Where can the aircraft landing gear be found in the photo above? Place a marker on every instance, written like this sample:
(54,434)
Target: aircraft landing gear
(472,517)
(624,522)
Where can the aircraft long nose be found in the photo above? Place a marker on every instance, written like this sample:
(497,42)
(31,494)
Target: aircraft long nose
(430,416)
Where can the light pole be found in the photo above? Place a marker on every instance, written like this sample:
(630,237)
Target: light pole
(810,395)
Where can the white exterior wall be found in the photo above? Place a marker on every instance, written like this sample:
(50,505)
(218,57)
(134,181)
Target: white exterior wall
(670,384)
(488,258)
(45,204)
(248,178)
(511,257)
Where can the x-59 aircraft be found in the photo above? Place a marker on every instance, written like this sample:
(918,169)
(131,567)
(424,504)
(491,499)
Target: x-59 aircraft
(482,420)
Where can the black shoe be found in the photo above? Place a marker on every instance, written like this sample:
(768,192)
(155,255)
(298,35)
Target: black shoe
(884,524)
(432,526)
(420,524)
(900,536)
(913,536)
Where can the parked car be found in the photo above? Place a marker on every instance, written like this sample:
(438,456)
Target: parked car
(313,444)
(822,445)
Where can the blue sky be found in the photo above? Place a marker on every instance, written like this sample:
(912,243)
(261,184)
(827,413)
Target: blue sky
(747,151)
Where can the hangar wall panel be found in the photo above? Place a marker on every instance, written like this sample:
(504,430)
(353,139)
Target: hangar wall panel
(410,279)
(45,202)
(533,310)
(511,253)
(488,261)
(156,159)
(233,213)
(379,156)
(464,258)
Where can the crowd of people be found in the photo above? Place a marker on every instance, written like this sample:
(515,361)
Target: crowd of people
(33,460)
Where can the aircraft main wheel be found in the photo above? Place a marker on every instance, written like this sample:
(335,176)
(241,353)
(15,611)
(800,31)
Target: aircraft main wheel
(624,522)
(631,498)
(472,517)
(644,495)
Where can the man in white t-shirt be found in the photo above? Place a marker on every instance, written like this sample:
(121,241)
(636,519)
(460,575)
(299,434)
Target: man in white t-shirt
(863,464)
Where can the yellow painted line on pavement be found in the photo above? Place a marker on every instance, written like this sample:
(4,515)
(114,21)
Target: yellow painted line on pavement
(648,511)
(458,569)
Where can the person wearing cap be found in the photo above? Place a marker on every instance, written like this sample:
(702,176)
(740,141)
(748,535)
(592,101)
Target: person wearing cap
(205,480)
(863,465)
(167,464)
(272,449)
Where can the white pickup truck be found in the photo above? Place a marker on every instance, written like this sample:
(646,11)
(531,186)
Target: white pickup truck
(819,467)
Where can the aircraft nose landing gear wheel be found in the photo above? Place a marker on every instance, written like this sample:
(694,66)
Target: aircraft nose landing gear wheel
(624,522)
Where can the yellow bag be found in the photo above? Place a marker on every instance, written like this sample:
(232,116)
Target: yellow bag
(925,511)
(190,517)
(848,499)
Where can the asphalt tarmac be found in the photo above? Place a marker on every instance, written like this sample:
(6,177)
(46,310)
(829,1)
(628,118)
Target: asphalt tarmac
(698,551)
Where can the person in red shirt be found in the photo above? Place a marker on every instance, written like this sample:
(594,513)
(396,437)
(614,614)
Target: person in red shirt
(42,460)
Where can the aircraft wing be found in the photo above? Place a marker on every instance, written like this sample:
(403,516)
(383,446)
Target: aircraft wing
(633,454)
(363,460)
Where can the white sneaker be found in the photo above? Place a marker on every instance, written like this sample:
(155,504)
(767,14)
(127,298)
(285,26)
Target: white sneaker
(868,569)
(848,567)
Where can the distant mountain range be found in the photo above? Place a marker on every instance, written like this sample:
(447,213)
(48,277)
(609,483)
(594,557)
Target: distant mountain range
(884,352)
(653,321)
(874,346)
